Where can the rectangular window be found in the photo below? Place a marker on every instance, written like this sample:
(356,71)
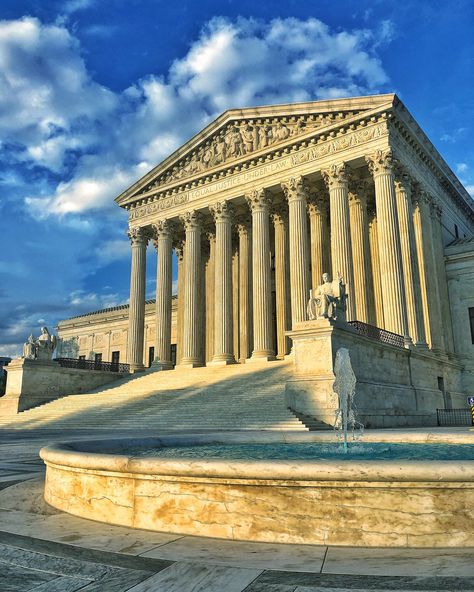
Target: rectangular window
(82,361)
(151,356)
(115,358)
(173,353)
(97,360)
(471,322)
(456,231)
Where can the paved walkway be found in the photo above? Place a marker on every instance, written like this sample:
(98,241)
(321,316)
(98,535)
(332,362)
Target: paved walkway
(43,550)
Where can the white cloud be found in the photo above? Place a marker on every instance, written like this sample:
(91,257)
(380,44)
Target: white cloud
(470,190)
(56,110)
(46,94)
(462,167)
(71,6)
(113,250)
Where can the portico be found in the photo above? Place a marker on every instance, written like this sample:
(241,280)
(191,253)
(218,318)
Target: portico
(263,201)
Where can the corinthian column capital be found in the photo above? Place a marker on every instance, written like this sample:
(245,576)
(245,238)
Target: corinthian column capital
(222,211)
(337,175)
(295,188)
(162,229)
(381,161)
(258,199)
(138,235)
(191,220)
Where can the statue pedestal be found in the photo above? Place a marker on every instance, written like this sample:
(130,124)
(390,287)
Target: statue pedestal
(395,386)
(34,382)
(314,349)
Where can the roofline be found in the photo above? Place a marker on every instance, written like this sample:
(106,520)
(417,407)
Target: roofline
(104,310)
(261,111)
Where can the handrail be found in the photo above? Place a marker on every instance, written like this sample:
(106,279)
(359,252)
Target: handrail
(379,334)
(93,365)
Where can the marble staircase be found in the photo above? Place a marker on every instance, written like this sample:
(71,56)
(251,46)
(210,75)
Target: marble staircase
(240,396)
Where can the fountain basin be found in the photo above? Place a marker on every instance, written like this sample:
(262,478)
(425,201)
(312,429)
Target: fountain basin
(397,503)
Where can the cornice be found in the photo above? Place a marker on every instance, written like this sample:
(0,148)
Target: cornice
(412,136)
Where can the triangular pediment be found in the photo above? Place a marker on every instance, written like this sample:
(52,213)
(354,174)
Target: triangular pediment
(241,134)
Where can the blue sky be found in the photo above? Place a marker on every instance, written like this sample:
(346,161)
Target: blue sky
(94,93)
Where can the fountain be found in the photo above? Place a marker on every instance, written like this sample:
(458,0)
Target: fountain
(345,387)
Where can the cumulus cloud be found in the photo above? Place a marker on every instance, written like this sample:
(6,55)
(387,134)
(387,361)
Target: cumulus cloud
(58,117)
(47,98)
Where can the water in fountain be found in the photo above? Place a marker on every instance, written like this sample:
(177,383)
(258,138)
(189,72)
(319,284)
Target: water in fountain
(345,387)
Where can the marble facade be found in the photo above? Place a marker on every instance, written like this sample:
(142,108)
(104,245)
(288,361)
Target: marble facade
(263,201)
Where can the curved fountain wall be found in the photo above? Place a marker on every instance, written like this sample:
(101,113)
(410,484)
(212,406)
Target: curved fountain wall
(370,503)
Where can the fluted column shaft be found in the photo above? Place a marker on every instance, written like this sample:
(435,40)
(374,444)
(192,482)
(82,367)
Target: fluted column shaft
(375,263)
(361,254)
(210,280)
(283,317)
(411,273)
(245,289)
(136,320)
(393,289)
(179,249)
(341,251)
(191,325)
(296,194)
(223,334)
(317,210)
(259,204)
(164,245)
(438,250)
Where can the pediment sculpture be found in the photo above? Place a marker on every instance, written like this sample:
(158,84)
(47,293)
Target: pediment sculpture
(328,300)
(42,347)
(238,139)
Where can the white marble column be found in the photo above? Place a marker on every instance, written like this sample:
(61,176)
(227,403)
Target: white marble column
(259,204)
(235,297)
(363,287)
(164,245)
(375,263)
(426,261)
(223,332)
(136,320)
(411,273)
(393,290)
(296,194)
(282,280)
(179,250)
(438,250)
(336,179)
(245,289)
(210,279)
(191,326)
(319,232)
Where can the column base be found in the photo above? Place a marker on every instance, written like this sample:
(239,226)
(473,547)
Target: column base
(264,356)
(224,360)
(190,363)
(135,368)
(161,365)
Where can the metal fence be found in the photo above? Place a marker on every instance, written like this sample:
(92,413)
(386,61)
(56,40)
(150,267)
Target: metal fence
(378,334)
(93,365)
(454,417)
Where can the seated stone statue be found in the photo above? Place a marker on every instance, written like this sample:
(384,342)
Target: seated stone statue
(41,348)
(328,301)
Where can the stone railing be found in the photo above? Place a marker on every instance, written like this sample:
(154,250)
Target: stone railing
(378,334)
(93,365)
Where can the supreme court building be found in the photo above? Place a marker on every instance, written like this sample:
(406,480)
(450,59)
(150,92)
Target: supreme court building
(263,201)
